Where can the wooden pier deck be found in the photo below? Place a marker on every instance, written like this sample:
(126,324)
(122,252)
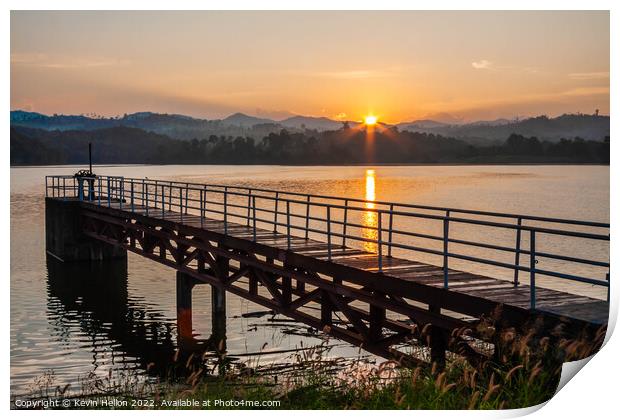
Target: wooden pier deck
(380,300)
(496,291)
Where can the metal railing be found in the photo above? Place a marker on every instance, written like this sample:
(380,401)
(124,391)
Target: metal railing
(381,227)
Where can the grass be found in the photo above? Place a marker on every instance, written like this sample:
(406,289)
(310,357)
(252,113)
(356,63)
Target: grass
(524,372)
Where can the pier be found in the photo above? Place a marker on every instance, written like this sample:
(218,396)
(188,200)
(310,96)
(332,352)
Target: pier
(379,275)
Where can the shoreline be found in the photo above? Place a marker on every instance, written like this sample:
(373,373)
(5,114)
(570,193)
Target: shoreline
(112,165)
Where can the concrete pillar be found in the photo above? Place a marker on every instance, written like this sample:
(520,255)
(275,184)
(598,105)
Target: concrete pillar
(218,317)
(327,309)
(377,316)
(64,238)
(218,307)
(287,290)
(218,327)
(185,284)
(438,343)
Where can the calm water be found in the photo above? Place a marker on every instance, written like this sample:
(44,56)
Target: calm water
(78,319)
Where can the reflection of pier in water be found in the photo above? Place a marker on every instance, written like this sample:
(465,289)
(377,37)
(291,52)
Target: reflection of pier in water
(94,296)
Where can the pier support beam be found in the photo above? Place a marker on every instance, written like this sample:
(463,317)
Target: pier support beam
(218,306)
(327,308)
(218,317)
(377,317)
(438,341)
(185,284)
(64,239)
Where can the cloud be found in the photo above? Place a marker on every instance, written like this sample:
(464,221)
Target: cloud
(595,75)
(587,91)
(45,61)
(482,65)
(351,74)
(340,116)
(358,73)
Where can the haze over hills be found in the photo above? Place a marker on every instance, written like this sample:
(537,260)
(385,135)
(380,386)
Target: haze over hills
(569,126)
(181,127)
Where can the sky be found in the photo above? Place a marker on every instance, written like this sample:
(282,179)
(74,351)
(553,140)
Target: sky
(397,65)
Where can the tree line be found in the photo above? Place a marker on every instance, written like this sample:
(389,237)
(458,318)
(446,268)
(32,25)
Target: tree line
(124,145)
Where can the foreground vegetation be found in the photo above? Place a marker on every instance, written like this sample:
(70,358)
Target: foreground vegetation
(523,372)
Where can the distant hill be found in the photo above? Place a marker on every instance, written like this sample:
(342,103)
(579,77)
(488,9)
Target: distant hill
(243,120)
(24,116)
(174,125)
(181,127)
(569,126)
(421,124)
(312,123)
(499,121)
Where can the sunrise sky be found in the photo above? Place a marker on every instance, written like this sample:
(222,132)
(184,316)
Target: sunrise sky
(400,66)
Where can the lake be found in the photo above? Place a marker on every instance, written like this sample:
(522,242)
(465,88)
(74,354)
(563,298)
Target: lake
(92,319)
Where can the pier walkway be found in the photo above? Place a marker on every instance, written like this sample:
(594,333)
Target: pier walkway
(353,268)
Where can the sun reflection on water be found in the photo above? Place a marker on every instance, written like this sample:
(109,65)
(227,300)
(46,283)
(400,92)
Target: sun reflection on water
(369,218)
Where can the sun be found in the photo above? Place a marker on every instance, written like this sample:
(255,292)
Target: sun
(370,120)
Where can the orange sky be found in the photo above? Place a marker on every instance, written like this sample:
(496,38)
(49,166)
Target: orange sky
(398,65)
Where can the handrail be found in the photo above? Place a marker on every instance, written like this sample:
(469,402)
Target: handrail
(306,213)
(406,205)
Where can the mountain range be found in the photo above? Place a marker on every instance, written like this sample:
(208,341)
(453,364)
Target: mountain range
(181,127)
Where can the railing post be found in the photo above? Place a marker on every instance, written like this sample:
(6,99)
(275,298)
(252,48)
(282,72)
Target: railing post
(532,269)
(380,240)
(155,198)
(163,202)
(390,224)
(608,286)
(170,197)
(225,210)
(307,215)
(247,219)
(275,213)
(344,224)
(517,252)
(109,198)
(446,230)
(122,193)
(254,217)
(329,234)
(145,194)
(204,196)
(288,224)
(201,208)
(133,206)
(180,201)
(186,197)
(99,191)
(64,186)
